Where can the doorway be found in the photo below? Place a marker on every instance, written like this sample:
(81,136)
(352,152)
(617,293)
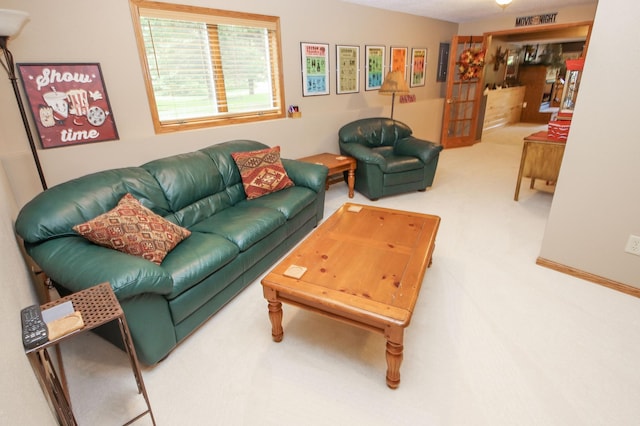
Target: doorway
(540,66)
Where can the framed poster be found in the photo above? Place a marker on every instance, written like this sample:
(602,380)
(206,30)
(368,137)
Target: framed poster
(374,67)
(511,68)
(443,62)
(315,69)
(69,103)
(418,66)
(348,70)
(399,60)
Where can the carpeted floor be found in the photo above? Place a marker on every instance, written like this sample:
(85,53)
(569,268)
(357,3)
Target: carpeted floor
(495,339)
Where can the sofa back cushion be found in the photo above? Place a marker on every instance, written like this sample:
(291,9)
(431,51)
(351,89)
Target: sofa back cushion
(54,212)
(221,156)
(192,185)
(373,132)
(199,184)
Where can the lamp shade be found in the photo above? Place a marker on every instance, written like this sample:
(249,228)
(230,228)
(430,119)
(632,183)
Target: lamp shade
(394,83)
(503,3)
(11,21)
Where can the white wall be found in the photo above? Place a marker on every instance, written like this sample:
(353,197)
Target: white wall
(89,31)
(597,201)
(22,401)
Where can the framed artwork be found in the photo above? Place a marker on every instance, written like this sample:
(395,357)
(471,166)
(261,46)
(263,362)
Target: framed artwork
(69,103)
(315,69)
(348,70)
(443,62)
(511,68)
(399,60)
(530,53)
(374,67)
(418,66)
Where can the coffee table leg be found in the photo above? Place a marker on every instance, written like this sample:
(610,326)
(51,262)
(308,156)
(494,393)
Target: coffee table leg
(275,316)
(395,337)
(351,180)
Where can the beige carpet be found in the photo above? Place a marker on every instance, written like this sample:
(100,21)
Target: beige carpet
(495,339)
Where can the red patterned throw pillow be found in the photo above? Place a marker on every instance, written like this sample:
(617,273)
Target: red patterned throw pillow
(262,171)
(134,229)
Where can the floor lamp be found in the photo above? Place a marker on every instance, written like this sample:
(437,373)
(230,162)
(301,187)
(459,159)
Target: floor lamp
(11,21)
(394,83)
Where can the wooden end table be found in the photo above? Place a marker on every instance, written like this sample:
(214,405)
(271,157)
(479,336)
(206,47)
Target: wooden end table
(337,164)
(98,305)
(364,267)
(541,159)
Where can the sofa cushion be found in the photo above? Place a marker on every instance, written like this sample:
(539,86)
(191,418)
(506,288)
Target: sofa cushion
(289,202)
(133,229)
(401,163)
(196,258)
(262,172)
(242,225)
(186,178)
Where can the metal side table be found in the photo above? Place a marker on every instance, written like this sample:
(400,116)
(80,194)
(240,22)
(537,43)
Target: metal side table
(98,305)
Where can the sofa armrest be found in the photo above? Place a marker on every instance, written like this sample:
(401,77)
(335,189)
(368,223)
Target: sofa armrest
(362,153)
(76,264)
(424,150)
(309,175)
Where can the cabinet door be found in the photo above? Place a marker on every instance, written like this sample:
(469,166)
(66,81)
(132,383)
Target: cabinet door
(534,78)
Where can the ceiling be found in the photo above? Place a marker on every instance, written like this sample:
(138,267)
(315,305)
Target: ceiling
(468,10)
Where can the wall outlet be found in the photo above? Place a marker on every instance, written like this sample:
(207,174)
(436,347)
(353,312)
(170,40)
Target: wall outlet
(633,245)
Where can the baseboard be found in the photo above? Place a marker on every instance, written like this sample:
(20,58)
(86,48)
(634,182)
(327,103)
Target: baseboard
(624,288)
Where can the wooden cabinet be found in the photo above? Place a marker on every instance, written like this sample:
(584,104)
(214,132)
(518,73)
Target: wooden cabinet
(504,107)
(534,78)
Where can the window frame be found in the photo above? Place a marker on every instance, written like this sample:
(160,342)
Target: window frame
(275,66)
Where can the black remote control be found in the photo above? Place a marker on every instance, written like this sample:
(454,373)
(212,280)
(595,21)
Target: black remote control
(34,329)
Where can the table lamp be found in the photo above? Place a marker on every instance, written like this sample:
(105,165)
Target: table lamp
(394,83)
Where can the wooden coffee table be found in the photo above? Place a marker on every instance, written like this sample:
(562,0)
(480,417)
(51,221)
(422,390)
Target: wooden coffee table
(364,266)
(336,164)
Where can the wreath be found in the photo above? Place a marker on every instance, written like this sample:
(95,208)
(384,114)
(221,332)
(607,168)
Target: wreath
(471,63)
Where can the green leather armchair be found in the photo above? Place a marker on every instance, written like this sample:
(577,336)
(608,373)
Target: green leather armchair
(390,160)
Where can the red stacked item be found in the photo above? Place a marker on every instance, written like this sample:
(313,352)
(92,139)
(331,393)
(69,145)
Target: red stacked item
(559,130)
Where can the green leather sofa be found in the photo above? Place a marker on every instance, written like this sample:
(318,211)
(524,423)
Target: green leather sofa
(389,159)
(233,240)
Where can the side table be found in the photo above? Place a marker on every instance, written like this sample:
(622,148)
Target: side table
(337,164)
(541,159)
(98,305)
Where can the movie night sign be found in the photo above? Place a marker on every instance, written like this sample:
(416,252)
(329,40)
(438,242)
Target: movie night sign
(545,18)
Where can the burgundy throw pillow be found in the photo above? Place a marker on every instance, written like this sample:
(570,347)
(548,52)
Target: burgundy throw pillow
(134,229)
(262,172)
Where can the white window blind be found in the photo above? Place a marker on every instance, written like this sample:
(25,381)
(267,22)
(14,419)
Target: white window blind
(206,67)
(180,68)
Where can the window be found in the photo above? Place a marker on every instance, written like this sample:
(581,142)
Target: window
(206,67)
